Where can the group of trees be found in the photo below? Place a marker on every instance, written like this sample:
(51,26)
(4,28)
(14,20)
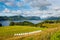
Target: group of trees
(0,25)
(51,21)
(3,18)
(48,22)
(25,23)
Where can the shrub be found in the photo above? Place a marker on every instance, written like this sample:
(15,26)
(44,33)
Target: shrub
(0,24)
(49,21)
(12,23)
(25,23)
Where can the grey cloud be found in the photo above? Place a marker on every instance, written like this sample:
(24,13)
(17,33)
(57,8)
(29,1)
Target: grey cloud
(8,2)
(33,3)
(38,3)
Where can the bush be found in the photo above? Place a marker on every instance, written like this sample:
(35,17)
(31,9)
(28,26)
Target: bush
(28,23)
(12,23)
(49,21)
(39,25)
(0,24)
(25,23)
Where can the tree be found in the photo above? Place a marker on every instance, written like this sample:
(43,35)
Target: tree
(12,24)
(0,24)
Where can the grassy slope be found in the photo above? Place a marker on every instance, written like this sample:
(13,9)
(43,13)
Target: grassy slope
(52,25)
(6,32)
(44,35)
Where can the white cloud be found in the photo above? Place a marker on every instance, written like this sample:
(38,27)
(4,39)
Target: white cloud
(38,3)
(11,11)
(6,10)
(32,13)
(18,12)
(35,4)
(6,0)
(20,4)
(9,4)
(43,14)
(56,8)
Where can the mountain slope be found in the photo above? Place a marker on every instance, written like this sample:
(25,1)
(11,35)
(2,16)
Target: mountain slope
(33,18)
(53,18)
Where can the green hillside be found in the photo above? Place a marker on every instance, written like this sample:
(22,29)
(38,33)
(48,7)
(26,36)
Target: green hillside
(9,31)
(50,31)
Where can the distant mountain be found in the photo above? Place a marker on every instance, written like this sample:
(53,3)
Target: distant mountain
(53,18)
(16,18)
(24,18)
(19,18)
(33,18)
(2,18)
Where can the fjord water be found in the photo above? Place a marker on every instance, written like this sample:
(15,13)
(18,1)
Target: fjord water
(6,23)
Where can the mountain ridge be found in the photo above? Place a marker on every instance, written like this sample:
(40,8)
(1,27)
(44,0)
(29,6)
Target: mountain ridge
(27,18)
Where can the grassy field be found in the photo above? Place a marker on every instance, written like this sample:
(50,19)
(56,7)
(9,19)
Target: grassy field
(52,25)
(51,32)
(44,35)
(9,31)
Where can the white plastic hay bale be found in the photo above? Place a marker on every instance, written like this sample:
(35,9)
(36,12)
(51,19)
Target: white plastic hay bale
(22,34)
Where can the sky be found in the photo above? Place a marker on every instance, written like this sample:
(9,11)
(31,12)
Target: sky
(41,8)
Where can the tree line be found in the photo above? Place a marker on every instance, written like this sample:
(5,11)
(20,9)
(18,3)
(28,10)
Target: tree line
(26,23)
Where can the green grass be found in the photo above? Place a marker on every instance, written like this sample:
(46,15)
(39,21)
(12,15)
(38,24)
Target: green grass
(44,35)
(53,25)
(9,31)
(50,33)
(56,36)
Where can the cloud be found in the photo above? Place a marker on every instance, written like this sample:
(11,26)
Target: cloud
(6,10)
(33,3)
(56,8)
(38,3)
(43,14)
(9,4)
(20,4)
(18,12)
(6,0)
(38,8)
(32,13)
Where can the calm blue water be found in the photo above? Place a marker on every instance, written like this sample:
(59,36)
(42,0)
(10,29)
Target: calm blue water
(6,23)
